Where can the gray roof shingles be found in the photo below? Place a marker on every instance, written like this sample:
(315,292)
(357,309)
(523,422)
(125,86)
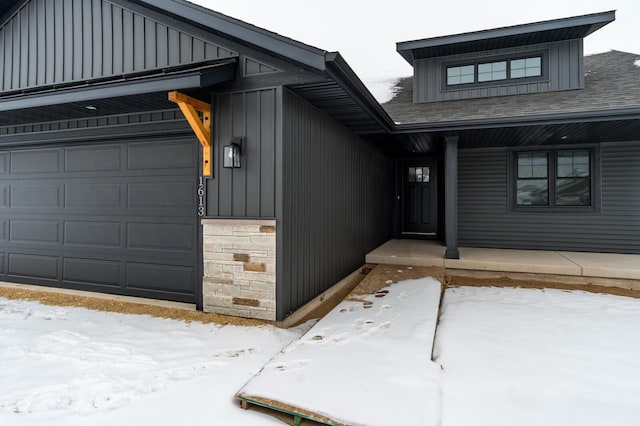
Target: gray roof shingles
(612,82)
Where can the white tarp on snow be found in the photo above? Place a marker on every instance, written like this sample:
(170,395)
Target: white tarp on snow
(368,362)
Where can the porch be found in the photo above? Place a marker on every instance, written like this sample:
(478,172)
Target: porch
(579,268)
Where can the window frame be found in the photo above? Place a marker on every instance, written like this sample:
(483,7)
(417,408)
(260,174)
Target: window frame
(544,68)
(552,155)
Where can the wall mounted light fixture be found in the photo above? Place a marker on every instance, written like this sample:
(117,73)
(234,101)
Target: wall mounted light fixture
(231,153)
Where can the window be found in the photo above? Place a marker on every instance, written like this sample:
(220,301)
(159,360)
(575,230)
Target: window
(526,67)
(492,71)
(573,178)
(533,179)
(460,75)
(554,178)
(419,174)
(506,68)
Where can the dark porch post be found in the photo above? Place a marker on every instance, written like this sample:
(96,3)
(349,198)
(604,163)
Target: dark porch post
(451,196)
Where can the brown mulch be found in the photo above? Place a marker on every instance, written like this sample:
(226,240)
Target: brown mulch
(379,277)
(384,275)
(109,305)
(457,281)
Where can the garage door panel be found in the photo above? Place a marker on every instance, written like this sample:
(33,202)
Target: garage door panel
(153,155)
(160,277)
(32,265)
(35,161)
(92,271)
(160,236)
(34,231)
(4,196)
(95,195)
(35,196)
(93,234)
(93,158)
(77,216)
(155,195)
(4,157)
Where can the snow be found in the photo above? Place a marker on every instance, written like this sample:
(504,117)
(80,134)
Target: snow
(367,362)
(637,63)
(532,357)
(383,89)
(502,356)
(72,366)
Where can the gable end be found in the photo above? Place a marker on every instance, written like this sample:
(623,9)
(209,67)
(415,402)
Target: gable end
(253,67)
(53,42)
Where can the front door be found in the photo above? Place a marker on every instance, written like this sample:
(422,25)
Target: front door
(420,212)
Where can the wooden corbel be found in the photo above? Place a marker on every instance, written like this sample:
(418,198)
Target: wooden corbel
(190,107)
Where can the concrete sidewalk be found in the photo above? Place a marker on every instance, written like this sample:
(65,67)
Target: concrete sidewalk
(606,266)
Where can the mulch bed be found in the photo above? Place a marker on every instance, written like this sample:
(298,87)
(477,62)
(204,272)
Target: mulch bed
(99,304)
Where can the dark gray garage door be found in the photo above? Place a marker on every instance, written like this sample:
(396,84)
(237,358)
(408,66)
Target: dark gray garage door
(116,217)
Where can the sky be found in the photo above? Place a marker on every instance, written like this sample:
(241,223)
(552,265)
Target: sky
(365,31)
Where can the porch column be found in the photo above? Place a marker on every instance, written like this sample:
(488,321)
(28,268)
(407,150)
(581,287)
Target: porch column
(451,196)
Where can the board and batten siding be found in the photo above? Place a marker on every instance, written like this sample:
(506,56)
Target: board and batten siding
(337,203)
(485,221)
(49,42)
(248,191)
(566,72)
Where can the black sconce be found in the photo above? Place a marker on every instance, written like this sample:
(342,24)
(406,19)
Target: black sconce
(231,153)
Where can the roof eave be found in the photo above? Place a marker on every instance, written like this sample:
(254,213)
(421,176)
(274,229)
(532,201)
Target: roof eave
(528,120)
(338,69)
(593,21)
(160,82)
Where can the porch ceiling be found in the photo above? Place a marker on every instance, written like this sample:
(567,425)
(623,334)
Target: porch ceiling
(556,134)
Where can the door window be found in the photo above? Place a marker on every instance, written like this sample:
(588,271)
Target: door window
(419,174)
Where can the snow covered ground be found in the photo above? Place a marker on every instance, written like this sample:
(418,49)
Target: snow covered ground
(509,357)
(538,357)
(71,366)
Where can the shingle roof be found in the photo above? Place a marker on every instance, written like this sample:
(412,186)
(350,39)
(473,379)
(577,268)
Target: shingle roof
(612,82)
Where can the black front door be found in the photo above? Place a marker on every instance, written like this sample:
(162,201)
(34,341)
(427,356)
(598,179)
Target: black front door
(420,212)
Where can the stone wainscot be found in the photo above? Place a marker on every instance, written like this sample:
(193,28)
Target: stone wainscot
(240,267)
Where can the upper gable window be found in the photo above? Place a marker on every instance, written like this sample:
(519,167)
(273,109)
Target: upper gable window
(460,75)
(492,71)
(502,68)
(526,67)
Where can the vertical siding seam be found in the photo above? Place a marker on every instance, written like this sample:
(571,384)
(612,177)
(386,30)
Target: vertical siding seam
(13,55)
(245,99)
(2,59)
(259,152)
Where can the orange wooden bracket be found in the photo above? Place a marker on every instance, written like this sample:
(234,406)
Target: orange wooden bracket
(190,107)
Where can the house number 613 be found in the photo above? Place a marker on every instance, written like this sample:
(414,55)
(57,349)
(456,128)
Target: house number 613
(201,198)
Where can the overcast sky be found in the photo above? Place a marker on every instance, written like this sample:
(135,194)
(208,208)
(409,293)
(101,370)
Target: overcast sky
(365,31)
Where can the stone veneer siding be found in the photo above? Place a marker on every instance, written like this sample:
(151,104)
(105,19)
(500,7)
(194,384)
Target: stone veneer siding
(240,267)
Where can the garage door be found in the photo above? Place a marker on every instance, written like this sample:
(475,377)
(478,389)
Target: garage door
(116,217)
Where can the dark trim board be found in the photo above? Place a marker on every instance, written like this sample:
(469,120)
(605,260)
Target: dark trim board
(207,76)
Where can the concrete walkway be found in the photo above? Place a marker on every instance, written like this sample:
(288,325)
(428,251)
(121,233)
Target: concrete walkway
(557,263)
